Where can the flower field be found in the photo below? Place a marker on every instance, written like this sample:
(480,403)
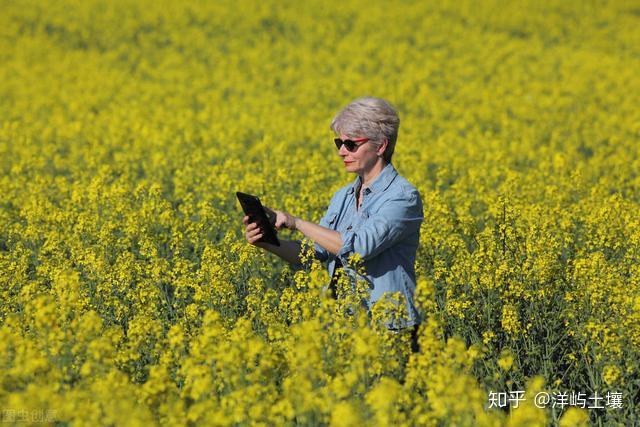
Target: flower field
(129,295)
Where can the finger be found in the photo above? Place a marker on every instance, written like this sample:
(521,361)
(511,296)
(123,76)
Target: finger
(252,226)
(256,238)
(254,232)
(245,220)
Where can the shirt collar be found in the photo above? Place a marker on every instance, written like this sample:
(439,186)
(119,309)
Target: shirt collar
(380,183)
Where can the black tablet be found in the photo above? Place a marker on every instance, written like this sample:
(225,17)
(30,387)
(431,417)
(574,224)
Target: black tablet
(256,212)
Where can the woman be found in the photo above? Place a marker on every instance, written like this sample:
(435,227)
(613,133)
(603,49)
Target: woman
(378,215)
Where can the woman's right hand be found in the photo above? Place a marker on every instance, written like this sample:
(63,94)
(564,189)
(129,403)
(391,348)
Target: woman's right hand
(252,232)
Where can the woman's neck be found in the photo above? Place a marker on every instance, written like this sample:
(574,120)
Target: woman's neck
(369,176)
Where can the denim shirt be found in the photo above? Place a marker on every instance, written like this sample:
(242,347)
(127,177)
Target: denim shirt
(385,231)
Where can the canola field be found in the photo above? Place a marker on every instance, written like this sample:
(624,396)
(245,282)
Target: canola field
(129,296)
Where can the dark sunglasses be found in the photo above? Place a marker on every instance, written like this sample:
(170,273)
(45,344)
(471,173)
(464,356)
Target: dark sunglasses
(349,144)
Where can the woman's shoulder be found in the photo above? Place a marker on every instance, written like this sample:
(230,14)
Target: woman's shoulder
(402,186)
(404,193)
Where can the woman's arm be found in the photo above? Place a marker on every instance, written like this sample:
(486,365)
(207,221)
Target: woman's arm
(289,250)
(325,237)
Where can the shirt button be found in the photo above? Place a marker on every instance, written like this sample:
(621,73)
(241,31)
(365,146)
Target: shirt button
(367,191)
(348,228)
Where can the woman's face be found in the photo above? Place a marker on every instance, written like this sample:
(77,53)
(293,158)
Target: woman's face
(362,158)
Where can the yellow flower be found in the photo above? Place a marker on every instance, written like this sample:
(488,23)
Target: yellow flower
(574,417)
(345,415)
(611,375)
(506,360)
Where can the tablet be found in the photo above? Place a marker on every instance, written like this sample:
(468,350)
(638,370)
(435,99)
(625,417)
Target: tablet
(256,212)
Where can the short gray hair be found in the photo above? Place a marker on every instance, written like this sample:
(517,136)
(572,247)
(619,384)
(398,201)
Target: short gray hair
(372,118)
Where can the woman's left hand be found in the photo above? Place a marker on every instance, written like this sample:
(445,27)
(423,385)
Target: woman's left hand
(283,219)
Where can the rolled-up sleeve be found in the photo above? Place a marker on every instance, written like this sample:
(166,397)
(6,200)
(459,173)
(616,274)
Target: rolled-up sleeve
(399,217)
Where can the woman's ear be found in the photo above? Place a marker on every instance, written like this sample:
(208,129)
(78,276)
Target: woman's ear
(381,149)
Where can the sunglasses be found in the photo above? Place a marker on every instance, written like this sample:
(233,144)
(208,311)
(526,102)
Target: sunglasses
(350,144)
